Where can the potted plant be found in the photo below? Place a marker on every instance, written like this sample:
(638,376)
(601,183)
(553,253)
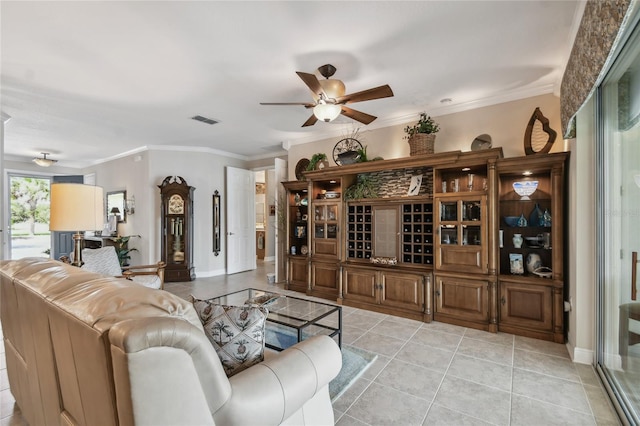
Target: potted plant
(318,161)
(123,250)
(422,135)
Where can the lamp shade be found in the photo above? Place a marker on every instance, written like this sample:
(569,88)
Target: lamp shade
(76,207)
(327,112)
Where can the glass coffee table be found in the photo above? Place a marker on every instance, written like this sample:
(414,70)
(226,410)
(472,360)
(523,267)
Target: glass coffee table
(291,319)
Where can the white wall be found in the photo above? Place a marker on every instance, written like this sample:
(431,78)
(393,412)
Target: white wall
(506,123)
(581,244)
(206,173)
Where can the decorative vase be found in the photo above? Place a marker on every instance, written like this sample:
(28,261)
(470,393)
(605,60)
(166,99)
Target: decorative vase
(536,218)
(533,262)
(517,240)
(421,143)
(522,221)
(546,218)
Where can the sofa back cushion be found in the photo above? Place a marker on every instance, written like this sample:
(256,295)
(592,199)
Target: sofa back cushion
(65,315)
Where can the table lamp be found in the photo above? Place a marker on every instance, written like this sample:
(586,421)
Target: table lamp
(76,207)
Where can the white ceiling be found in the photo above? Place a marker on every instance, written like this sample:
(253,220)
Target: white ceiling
(88,81)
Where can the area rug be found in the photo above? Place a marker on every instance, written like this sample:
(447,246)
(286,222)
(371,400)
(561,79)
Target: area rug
(355,361)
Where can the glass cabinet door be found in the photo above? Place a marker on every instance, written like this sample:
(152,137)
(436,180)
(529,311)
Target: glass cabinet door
(462,234)
(326,228)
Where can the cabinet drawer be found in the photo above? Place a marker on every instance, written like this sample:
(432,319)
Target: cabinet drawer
(461,259)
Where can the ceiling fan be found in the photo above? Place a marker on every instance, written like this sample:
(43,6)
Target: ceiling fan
(330,100)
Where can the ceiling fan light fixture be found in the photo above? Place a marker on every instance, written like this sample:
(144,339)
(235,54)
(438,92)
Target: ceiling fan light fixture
(326,112)
(44,161)
(332,88)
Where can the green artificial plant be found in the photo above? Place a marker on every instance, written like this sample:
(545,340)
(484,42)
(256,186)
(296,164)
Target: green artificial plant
(424,125)
(315,159)
(123,250)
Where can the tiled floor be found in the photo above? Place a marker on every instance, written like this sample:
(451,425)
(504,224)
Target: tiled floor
(435,373)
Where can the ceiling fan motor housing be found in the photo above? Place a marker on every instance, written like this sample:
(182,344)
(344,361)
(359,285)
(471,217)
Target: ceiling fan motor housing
(332,88)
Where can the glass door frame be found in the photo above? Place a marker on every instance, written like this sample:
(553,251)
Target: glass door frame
(620,59)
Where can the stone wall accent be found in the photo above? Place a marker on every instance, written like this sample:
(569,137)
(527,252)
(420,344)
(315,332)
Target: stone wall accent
(600,26)
(395,183)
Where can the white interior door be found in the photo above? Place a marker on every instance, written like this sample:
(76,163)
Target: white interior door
(241,220)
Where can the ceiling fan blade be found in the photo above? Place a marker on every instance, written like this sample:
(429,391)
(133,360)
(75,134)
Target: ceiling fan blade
(312,82)
(306,104)
(366,95)
(357,115)
(311,121)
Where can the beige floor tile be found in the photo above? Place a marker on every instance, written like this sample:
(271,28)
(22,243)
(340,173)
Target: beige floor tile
(346,420)
(379,344)
(397,329)
(437,339)
(488,351)
(412,379)
(442,416)
(381,405)
(363,322)
(486,403)
(425,356)
(530,412)
(497,338)
(552,365)
(444,327)
(600,404)
(481,371)
(542,346)
(588,375)
(550,389)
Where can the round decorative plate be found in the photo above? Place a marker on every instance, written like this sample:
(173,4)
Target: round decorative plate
(301,166)
(346,151)
(304,250)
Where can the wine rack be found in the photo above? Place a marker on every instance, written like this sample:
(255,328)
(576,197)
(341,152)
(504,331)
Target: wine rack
(417,233)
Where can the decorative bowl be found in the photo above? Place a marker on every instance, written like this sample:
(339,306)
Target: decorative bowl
(331,195)
(543,272)
(511,221)
(525,188)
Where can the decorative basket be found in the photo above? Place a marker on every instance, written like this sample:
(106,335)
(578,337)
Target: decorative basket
(421,143)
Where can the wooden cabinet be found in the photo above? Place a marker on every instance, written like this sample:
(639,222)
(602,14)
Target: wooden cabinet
(461,244)
(531,272)
(387,290)
(462,300)
(382,253)
(324,279)
(526,305)
(297,235)
(390,229)
(177,228)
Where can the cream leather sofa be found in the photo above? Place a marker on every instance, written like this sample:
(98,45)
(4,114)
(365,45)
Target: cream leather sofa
(84,349)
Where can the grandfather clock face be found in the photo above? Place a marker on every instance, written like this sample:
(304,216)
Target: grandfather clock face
(176,204)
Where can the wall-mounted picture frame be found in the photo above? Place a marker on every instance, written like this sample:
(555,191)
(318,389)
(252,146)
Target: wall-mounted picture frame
(216,223)
(116,200)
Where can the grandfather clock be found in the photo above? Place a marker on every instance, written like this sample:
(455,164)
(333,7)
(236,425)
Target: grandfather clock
(177,228)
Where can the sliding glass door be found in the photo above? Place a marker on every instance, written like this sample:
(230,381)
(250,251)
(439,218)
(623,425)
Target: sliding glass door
(618,355)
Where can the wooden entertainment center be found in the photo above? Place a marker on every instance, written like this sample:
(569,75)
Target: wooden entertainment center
(444,253)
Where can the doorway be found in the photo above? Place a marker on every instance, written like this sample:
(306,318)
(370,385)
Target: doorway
(618,237)
(29,234)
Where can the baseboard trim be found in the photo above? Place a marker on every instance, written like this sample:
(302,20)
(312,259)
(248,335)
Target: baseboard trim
(580,355)
(214,273)
(269,259)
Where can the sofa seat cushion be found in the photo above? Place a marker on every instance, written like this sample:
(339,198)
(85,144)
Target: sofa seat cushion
(236,332)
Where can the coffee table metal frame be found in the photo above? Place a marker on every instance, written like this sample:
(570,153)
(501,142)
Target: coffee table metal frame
(283,313)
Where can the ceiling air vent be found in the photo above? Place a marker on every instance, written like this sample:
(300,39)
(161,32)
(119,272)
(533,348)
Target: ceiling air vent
(204,119)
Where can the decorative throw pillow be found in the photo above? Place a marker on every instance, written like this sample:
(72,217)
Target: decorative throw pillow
(236,333)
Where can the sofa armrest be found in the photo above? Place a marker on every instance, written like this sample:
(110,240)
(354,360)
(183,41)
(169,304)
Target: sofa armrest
(278,387)
(166,372)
